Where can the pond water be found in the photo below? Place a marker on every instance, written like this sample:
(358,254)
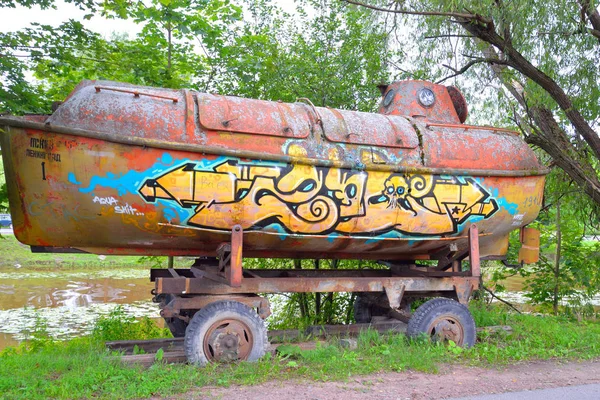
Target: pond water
(69,303)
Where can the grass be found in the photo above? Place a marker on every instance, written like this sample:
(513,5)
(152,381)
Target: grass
(82,368)
(17,255)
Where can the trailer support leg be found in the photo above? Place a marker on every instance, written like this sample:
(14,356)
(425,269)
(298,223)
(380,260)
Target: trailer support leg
(394,293)
(474,251)
(464,288)
(234,273)
(230,257)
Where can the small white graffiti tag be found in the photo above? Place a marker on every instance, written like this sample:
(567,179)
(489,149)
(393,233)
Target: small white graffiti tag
(127,209)
(106,201)
(119,209)
(518,219)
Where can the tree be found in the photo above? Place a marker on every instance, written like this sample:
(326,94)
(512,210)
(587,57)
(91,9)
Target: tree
(568,268)
(174,28)
(331,54)
(541,63)
(545,54)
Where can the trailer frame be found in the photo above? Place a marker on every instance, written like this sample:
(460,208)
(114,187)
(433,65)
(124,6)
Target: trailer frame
(181,293)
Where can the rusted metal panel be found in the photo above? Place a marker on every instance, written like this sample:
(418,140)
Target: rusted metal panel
(394,293)
(173,308)
(322,284)
(314,273)
(474,251)
(472,148)
(235,114)
(115,109)
(464,288)
(135,93)
(368,129)
(464,127)
(403,98)
(234,270)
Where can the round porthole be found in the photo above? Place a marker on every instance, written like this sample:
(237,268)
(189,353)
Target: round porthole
(426,97)
(388,98)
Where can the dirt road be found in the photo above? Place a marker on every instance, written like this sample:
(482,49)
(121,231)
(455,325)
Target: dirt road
(450,382)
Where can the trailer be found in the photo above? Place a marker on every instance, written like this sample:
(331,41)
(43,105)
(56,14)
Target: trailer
(129,170)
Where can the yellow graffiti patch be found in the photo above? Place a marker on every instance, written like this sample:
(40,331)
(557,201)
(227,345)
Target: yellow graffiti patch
(306,199)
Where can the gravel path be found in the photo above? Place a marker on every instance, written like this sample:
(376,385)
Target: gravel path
(455,381)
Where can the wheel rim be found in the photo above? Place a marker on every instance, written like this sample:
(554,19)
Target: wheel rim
(228,340)
(447,328)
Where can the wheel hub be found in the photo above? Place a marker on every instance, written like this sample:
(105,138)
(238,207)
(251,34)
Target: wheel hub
(228,340)
(447,328)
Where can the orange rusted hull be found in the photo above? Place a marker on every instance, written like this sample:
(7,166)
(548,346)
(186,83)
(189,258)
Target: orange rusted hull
(171,172)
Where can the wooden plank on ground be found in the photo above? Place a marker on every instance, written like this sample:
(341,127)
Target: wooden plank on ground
(147,360)
(174,353)
(148,346)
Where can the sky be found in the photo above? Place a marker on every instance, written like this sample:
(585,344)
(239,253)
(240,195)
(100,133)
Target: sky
(13,19)
(21,17)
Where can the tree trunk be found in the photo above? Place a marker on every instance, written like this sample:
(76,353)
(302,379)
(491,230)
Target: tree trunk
(557,260)
(592,15)
(516,60)
(553,140)
(318,295)
(330,295)
(301,296)
(550,137)
(170,48)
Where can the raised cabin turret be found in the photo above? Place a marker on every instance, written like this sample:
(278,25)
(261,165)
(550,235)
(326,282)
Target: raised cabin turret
(421,99)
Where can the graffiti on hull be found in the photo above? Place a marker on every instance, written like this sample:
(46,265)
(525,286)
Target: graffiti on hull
(306,199)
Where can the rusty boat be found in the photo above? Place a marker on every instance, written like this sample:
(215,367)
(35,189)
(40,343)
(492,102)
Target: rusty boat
(119,169)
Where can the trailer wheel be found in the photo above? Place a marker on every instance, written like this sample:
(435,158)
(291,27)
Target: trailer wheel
(365,310)
(443,319)
(225,331)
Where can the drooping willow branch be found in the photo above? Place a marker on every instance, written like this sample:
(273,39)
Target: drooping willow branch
(468,65)
(462,16)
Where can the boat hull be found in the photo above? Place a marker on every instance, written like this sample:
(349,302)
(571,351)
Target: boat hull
(77,193)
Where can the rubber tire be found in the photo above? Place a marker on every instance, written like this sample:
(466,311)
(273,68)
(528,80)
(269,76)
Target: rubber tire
(219,310)
(364,311)
(428,312)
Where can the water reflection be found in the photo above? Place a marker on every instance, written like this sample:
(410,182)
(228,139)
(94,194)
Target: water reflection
(69,303)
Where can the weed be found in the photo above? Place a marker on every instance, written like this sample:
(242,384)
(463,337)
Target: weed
(117,325)
(155,262)
(159,355)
